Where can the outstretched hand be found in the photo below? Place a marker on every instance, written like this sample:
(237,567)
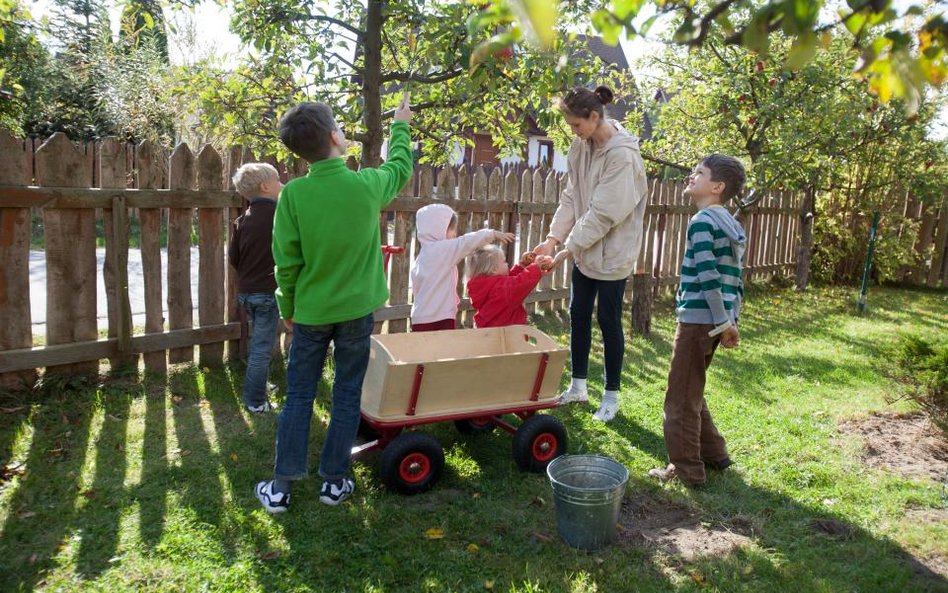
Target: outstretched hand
(403,111)
(503,237)
(560,257)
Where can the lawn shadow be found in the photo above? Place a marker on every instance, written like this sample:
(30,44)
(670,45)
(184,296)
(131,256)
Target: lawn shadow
(42,506)
(152,492)
(100,519)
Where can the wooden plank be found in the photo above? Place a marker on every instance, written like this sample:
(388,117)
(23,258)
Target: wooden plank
(180,306)
(232,307)
(211,284)
(495,183)
(426,184)
(67,354)
(65,198)
(464,318)
(941,244)
(123,320)
(543,227)
(512,196)
(70,254)
(148,175)
(16,329)
(523,223)
(112,174)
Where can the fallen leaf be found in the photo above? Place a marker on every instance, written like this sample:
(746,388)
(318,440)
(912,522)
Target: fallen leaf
(473,548)
(25,514)
(476,495)
(698,578)
(434,533)
(538,501)
(185,453)
(270,555)
(34,558)
(233,457)
(12,410)
(176,399)
(88,493)
(542,536)
(113,418)
(489,585)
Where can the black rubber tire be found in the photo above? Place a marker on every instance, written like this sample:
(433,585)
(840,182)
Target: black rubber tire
(538,441)
(474,426)
(411,463)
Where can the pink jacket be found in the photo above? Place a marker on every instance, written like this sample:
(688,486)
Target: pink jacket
(434,277)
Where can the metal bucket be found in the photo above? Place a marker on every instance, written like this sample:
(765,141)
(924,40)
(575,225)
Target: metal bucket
(587,492)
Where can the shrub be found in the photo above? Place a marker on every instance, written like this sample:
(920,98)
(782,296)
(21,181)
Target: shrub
(922,367)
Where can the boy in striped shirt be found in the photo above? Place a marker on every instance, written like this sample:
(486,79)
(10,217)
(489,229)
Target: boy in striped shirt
(708,302)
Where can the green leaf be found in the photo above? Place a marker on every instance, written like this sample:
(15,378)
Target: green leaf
(855,22)
(801,51)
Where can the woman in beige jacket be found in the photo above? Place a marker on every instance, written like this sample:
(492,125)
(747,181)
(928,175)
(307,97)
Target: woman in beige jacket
(599,222)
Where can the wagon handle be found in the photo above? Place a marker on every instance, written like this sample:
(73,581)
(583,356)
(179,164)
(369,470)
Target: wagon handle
(538,382)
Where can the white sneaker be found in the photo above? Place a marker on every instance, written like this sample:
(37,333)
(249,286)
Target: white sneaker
(572,396)
(607,411)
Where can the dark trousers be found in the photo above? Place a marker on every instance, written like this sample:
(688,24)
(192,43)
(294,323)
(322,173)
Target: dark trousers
(583,295)
(690,435)
(434,326)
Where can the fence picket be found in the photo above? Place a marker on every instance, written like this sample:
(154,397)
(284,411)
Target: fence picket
(148,175)
(16,329)
(211,284)
(180,305)
(70,254)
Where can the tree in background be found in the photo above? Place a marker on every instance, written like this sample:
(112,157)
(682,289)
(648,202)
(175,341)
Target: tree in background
(814,129)
(359,56)
(24,69)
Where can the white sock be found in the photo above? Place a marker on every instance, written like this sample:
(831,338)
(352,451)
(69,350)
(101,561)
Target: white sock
(578,385)
(610,397)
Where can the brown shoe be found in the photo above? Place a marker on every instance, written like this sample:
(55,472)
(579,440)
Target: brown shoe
(667,474)
(720,465)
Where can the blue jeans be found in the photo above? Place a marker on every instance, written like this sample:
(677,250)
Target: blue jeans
(351,341)
(262,313)
(582,296)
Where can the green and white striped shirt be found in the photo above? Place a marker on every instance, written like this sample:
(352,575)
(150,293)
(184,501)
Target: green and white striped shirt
(711,288)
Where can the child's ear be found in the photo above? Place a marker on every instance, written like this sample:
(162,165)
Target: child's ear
(334,137)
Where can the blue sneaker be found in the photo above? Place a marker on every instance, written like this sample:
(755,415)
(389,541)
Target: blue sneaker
(273,502)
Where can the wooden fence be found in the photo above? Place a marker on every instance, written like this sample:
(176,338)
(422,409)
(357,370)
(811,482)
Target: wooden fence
(189,198)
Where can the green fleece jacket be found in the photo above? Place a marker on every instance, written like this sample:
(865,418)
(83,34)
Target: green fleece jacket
(326,247)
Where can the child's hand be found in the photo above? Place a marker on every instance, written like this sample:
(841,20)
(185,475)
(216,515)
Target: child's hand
(560,258)
(527,258)
(731,338)
(403,112)
(545,262)
(504,237)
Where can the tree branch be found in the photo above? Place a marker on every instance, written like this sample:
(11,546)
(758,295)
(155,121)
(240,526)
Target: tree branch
(359,33)
(419,107)
(425,79)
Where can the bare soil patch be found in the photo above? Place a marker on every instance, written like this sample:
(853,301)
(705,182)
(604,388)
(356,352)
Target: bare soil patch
(648,521)
(906,444)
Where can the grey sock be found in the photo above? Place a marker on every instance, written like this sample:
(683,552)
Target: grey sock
(281,486)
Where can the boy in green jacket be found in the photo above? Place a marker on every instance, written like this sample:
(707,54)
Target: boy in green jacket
(328,261)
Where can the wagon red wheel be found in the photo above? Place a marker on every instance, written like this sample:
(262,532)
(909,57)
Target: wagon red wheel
(481,424)
(538,441)
(411,463)
(414,468)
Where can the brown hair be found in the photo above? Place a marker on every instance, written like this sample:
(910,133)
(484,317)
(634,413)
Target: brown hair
(581,102)
(727,169)
(306,129)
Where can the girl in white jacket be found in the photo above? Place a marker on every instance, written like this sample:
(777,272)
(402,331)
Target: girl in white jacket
(599,222)
(434,276)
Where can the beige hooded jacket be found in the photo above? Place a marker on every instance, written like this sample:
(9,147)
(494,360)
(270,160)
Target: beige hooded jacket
(601,212)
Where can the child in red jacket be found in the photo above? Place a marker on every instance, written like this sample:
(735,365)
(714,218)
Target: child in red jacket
(497,293)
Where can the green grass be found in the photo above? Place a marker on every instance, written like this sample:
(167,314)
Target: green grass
(148,487)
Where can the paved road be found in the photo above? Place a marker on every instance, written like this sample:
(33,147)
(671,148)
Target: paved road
(136,290)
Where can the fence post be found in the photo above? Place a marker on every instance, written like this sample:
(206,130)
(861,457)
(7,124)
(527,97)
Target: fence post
(148,175)
(16,329)
(805,251)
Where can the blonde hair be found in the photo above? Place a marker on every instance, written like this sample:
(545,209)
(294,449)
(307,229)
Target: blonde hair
(481,262)
(249,177)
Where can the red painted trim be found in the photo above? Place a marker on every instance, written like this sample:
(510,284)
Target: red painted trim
(538,382)
(415,388)
(523,411)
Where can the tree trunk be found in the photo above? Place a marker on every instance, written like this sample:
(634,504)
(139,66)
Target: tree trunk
(642,297)
(372,86)
(805,251)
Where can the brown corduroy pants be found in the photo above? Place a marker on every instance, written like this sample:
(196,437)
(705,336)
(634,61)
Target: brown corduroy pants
(690,435)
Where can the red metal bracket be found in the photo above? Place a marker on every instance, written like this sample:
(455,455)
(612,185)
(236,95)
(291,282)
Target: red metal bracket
(419,373)
(538,382)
